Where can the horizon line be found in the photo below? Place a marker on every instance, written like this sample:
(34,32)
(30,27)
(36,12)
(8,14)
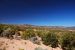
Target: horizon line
(37,24)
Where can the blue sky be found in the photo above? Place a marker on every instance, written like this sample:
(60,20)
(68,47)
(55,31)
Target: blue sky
(38,12)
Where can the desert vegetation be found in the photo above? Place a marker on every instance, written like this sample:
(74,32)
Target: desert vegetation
(62,38)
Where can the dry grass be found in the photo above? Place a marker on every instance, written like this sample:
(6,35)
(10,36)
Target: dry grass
(21,49)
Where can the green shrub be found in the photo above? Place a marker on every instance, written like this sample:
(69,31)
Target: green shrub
(51,39)
(68,41)
(28,34)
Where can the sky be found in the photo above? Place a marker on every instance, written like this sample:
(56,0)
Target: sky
(38,12)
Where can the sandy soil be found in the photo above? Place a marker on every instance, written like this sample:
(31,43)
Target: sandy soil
(7,44)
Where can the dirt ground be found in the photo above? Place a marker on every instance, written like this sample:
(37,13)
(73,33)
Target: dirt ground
(7,44)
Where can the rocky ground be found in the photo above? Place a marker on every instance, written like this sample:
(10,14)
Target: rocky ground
(7,44)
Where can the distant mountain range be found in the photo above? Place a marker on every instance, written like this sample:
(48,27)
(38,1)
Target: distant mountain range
(49,27)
